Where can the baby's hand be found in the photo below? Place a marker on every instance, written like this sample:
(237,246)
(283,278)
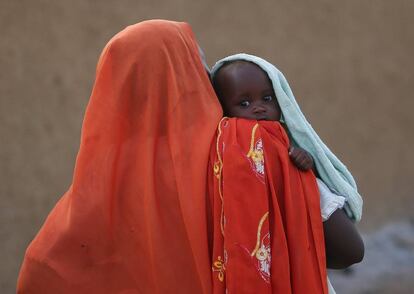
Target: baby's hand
(301,158)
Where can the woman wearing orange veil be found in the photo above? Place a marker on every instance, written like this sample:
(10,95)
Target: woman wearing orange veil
(134,219)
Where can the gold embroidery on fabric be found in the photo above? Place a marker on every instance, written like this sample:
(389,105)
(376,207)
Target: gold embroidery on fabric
(219,266)
(256,154)
(262,251)
(259,229)
(261,256)
(218,168)
(252,140)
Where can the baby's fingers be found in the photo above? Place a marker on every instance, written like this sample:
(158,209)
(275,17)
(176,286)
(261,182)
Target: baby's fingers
(303,161)
(304,164)
(294,153)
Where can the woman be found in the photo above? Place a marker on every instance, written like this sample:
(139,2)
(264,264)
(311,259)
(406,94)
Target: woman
(134,219)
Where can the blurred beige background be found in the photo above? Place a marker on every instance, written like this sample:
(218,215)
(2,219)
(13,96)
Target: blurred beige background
(350,64)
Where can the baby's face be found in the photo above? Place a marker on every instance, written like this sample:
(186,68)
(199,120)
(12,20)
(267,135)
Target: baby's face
(246,92)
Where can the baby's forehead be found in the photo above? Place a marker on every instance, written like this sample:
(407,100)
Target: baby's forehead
(241,71)
(236,67)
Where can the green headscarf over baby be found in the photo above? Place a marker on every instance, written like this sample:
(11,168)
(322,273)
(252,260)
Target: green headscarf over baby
(331,170)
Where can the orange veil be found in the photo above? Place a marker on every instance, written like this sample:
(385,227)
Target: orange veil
(134,219)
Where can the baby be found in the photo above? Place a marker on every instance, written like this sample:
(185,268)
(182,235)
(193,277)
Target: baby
(245,91)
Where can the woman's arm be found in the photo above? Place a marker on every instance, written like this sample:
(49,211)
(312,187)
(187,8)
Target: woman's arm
(343,243)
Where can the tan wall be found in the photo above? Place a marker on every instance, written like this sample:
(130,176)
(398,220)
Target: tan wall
(349,63)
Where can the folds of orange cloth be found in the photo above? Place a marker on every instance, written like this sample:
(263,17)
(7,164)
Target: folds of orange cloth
(267,229)
(134,218)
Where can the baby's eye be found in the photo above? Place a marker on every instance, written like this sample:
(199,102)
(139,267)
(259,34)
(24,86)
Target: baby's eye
(268,98)
(244,103)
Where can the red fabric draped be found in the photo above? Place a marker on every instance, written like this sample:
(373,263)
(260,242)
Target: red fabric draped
(267,228)
(134,219)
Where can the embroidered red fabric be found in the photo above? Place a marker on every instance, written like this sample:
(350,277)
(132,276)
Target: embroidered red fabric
(267,229)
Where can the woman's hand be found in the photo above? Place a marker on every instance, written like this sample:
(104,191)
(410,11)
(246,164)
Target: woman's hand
(301,158)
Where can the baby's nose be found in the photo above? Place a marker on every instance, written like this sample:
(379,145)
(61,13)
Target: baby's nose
(259,109)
